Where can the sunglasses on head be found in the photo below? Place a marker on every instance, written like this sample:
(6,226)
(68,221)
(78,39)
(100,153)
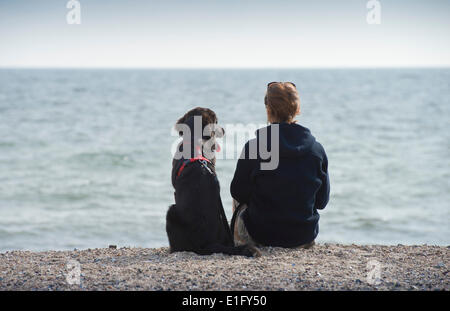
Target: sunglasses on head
(292,83)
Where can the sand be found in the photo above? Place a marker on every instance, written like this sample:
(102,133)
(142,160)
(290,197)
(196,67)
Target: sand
(324,267)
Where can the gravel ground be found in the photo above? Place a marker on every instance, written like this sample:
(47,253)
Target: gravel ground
(324,267)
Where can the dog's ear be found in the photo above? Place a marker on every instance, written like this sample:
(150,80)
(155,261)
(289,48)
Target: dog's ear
(213,130)
(219,131)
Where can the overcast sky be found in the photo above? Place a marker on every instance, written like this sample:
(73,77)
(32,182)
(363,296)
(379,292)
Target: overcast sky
(225,33)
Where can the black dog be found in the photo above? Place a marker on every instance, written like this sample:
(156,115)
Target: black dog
(197,221)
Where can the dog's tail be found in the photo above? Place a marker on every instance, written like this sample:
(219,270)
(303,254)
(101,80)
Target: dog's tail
(241,250)
(234,218)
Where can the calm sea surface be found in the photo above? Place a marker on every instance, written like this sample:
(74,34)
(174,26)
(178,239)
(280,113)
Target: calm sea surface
(85,155)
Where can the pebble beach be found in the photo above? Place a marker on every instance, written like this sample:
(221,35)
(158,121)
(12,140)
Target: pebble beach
(323,267)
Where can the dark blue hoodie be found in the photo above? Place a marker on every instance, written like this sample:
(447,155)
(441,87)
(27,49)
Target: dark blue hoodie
(283,203)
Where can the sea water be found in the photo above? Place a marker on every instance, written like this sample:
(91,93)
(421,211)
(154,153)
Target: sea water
(85,155)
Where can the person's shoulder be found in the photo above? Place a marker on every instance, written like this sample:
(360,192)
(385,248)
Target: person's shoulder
(249,142)
(250,146)
(318,150)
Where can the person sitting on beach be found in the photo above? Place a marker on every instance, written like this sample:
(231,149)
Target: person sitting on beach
(278,207)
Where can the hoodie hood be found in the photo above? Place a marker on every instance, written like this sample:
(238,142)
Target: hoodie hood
(294,139)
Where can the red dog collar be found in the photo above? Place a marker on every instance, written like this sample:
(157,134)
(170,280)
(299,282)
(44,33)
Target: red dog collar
(198,158)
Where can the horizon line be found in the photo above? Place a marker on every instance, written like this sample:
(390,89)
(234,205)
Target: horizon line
(446,66)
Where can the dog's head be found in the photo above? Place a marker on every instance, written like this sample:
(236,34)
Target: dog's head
(199,130)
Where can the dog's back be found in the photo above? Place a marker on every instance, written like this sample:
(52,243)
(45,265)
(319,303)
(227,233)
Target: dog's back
(197,222)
